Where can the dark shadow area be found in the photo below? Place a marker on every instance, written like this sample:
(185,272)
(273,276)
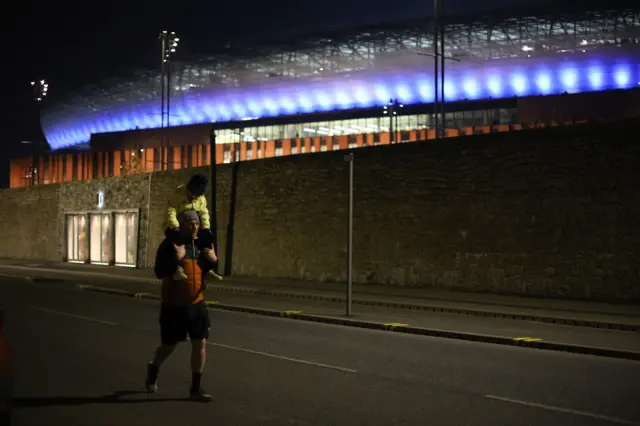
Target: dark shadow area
(114,398)
(228,255)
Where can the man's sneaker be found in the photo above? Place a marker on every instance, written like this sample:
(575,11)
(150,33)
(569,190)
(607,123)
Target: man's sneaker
(180,275)
(214,275)
(200,395)
(151,381)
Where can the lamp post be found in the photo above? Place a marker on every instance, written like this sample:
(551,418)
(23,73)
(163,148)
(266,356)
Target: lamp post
(391,109)
(213,211)
(439,59)
(169,45)
(349,158)
(40,91)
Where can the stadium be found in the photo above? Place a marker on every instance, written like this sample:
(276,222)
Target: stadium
(335,92)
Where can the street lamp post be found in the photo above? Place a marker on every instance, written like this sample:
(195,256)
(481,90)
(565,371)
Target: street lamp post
(40,91)
(442,62)
(169,44)
(439,59)
(436,57)
(213,211)
(391,109)
(349,158)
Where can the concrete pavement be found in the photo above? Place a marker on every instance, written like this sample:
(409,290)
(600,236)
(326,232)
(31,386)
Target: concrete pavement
(80,360)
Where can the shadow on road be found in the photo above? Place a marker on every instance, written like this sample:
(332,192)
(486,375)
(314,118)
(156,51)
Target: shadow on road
(115,398)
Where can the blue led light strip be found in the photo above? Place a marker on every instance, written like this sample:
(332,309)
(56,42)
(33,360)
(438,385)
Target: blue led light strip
(568,72)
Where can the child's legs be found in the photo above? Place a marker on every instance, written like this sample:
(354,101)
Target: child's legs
(205,240)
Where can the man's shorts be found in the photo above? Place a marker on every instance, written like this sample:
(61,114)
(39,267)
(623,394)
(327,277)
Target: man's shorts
(176,322)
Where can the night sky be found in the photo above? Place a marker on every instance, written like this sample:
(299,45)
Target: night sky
(70,45)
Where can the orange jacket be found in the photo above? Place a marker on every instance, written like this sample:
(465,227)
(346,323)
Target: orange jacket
(189,291)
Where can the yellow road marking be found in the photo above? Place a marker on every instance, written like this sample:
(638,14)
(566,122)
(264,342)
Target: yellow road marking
(139,295)
(526,339)
(393,325)
(288,313)
(211,303)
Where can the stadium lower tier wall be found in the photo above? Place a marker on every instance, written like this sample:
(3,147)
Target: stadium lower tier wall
(552,212)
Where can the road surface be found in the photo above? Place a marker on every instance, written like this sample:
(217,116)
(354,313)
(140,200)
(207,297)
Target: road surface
(80,360)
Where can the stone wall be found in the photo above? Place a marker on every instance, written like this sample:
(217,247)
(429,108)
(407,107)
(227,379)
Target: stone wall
(29,223)
(551,213)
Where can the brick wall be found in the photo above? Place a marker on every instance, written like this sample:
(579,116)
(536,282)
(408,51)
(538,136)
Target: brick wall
(552,212)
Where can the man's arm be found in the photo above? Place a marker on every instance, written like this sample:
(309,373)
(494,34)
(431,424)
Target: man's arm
(167,257)
(165,264)
(181,252)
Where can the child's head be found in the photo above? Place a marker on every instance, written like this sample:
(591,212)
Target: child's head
(197,185)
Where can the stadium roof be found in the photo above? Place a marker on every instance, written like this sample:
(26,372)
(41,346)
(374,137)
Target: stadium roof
(473,40)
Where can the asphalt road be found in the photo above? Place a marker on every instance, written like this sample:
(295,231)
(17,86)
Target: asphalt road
(80,360)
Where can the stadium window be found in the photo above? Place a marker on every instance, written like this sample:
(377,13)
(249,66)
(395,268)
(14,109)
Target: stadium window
(249,151)
(94,164)
(335,143)
(376,138)
(353,141)
(323,144)
(170,158)
(183,155)
(478,118)
(405,136)
(190,156)
(156,159)
(108,164)
(278,148)
(458,118)
(403,123)
(74,167)
(64,167)
(226,158)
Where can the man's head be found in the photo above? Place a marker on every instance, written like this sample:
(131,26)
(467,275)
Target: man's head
(189,222)
(196,186)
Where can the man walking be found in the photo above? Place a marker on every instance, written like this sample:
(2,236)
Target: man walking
(183,310)
(190,197)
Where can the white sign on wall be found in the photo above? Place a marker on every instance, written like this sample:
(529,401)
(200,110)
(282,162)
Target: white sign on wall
(100,199)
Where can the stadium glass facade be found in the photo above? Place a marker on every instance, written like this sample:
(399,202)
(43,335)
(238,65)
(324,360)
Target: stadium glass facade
(258,142)
(490,57)
(496,57)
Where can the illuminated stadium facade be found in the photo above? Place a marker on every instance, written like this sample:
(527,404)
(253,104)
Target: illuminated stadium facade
(494,59)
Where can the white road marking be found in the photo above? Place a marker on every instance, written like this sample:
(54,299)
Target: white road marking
(220,345)
(564,410)
(64,314)
(22,277)
(285,358)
